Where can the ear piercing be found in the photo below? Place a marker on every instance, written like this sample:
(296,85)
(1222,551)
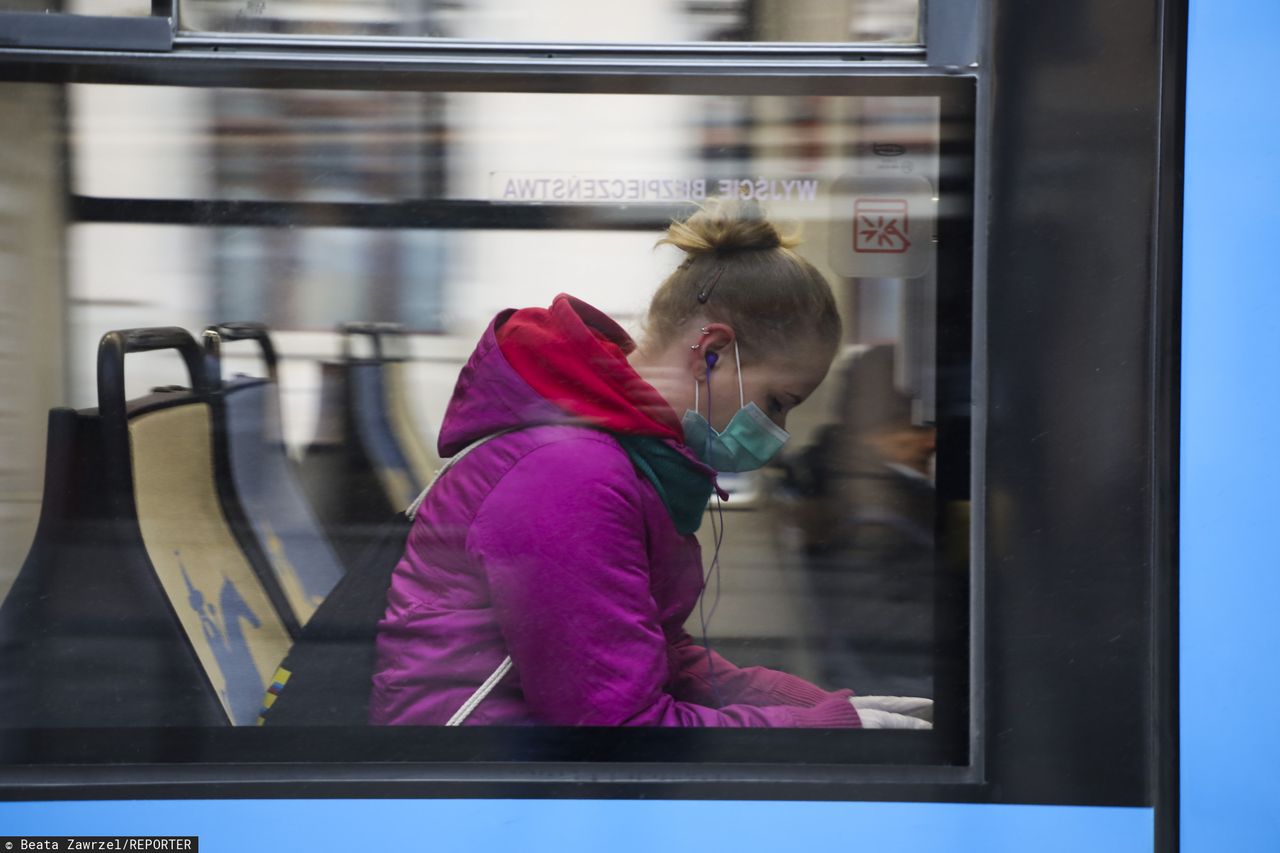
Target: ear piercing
(705,332)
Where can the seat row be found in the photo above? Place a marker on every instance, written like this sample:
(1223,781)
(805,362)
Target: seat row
(180,551)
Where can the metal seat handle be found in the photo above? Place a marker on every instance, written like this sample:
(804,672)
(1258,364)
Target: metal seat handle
(216,335)
(112,405)
(376,332)
(115,345)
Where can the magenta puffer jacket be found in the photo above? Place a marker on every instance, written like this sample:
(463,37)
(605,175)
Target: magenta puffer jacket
(545,544)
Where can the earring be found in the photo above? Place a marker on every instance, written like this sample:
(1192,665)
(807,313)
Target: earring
(703,330)
(695,346)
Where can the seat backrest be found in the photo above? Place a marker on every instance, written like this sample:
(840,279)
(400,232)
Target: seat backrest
(357,473)
(137,604)
(422,459)
(367,407)
(87,635)
(381,410)
(270,506)
(220,600)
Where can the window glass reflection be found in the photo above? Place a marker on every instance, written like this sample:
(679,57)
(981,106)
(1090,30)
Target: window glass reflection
(305,211)
(566,21)
(113,8)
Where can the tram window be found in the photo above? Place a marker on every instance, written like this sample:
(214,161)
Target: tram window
(844,563)
(568,21)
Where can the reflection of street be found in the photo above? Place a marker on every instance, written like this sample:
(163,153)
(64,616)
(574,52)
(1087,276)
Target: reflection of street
(855,611)
(858,511)
(761,616)
(567,21)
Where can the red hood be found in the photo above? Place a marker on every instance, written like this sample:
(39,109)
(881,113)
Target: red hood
(575,357)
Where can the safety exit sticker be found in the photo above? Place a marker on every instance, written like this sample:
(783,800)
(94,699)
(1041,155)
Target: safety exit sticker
(883,227)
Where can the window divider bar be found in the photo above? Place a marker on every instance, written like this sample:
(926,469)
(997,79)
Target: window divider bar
(953,31)
(748,50)
(433,214)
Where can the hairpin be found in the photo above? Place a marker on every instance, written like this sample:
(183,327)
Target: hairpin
(705,293)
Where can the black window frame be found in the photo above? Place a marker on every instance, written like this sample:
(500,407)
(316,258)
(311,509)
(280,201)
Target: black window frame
(941,755)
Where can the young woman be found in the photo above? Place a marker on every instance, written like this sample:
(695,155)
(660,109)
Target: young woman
(558,558)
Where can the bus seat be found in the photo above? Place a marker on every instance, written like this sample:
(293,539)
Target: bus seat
(355,472)
(137,604)
(372,422)
(384,418)
(269,503)
(220,601)
(87,637)
(421,457)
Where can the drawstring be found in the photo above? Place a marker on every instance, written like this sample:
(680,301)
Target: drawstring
(482,691)
(413,508)
(503,668)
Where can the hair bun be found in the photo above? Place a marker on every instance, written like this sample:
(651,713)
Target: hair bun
(719,227)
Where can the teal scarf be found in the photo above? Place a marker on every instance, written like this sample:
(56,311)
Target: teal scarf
(683,488)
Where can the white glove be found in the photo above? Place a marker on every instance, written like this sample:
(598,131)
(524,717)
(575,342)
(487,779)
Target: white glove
(894,712)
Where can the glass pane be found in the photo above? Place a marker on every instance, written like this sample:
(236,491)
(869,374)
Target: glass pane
(563,21)
(121,8)
(308,209)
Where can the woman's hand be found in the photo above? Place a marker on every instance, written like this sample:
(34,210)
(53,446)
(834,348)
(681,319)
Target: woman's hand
(894,712)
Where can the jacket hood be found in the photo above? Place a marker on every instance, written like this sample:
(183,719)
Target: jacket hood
(565,364)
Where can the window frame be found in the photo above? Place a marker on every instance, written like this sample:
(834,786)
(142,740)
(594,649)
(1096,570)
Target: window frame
(734,763)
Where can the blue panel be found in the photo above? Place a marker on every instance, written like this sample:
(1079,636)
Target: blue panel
(1230,574)
(592,826)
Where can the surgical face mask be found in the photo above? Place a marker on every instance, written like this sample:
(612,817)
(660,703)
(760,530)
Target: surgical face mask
(749,440)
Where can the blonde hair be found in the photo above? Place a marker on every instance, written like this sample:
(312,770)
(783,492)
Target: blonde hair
(740,270)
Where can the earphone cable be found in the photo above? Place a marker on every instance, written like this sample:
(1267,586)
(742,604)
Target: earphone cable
(717,537)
